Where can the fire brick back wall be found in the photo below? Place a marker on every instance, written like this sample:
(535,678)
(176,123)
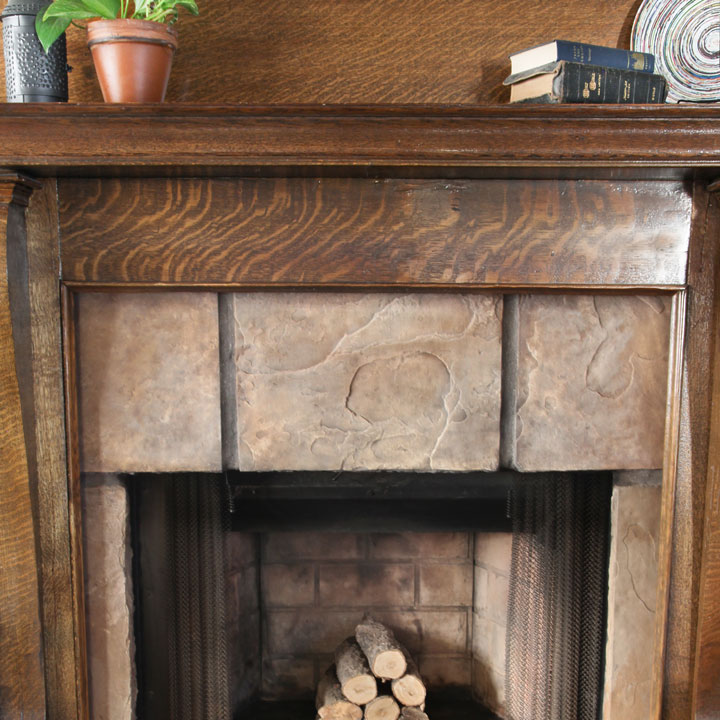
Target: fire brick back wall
(315,588)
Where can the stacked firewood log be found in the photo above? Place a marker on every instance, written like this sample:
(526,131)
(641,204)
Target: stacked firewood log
(373,678)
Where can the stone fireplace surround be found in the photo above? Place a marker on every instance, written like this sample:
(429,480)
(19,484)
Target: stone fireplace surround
(201,384)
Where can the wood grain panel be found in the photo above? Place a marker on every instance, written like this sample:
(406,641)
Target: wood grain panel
(200,140)
(703,263)
(69,322)
(22,683)
(52,501)
(371,232)
(676,359)
(360,51)
(706,700)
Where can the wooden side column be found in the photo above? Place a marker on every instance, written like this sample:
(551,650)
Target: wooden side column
(692,457)
(22,685)
(706,699)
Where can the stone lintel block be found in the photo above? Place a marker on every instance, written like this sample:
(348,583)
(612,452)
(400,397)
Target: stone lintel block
(592,376)
(148,368)
(367,381)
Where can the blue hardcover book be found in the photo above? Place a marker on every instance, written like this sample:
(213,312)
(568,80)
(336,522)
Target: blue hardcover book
(533,60)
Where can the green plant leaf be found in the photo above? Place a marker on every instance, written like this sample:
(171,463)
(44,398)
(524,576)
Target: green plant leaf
(189,5)
(48,31)
(83,9)
(108,9)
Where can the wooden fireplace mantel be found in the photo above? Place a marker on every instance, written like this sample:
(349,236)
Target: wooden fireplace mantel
(197,140)
(108,215)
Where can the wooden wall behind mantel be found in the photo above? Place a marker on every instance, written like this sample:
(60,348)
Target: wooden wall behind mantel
(363,51)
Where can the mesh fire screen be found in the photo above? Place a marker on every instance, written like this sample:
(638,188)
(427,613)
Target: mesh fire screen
(557,600)
(184,664)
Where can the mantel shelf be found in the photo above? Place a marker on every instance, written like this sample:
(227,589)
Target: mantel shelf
(458,141)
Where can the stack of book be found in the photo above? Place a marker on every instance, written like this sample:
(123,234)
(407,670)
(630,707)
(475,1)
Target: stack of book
(570,72)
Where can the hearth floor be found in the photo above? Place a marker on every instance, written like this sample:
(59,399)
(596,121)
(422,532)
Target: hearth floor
(442,706)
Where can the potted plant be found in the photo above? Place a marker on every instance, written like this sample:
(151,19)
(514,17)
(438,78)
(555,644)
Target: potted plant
(132,45)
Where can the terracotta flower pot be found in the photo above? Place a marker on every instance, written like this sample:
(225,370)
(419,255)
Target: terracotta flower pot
(132,59)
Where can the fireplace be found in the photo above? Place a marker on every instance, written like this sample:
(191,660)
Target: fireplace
(368,445)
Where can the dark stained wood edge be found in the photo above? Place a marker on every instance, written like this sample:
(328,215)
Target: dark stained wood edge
(63,137)
(75,502)
(22,681)
(53,525)
(706,685)
(670,465)
(552,288)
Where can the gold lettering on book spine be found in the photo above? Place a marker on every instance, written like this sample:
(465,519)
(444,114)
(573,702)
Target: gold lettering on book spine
(637,61)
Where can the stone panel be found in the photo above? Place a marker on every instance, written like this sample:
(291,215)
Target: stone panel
(367,381)
(149,382)
(439,671)
(489,687)
(288,678)
(289,585)
(446,584)
(494,550)
(109,599)
(489,643)
(440,546)
(592,375)
(631,602)
(365,585)
(491,594)
(290,546)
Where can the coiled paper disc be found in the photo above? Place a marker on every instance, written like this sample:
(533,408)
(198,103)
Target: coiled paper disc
(684,37)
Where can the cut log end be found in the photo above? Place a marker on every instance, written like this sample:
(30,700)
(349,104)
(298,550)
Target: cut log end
(409,690)
(382,708)
(389,664)
(360,689)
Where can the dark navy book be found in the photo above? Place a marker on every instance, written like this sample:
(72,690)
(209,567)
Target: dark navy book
(533,60)
(568,82)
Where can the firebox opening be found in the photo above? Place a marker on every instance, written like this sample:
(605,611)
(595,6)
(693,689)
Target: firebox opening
(304,556)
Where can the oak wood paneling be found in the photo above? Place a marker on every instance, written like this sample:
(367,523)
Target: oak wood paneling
(22,682)
(201,140)
(53,528)
(360,51)
(373,232)
(69,321)
(706,698)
